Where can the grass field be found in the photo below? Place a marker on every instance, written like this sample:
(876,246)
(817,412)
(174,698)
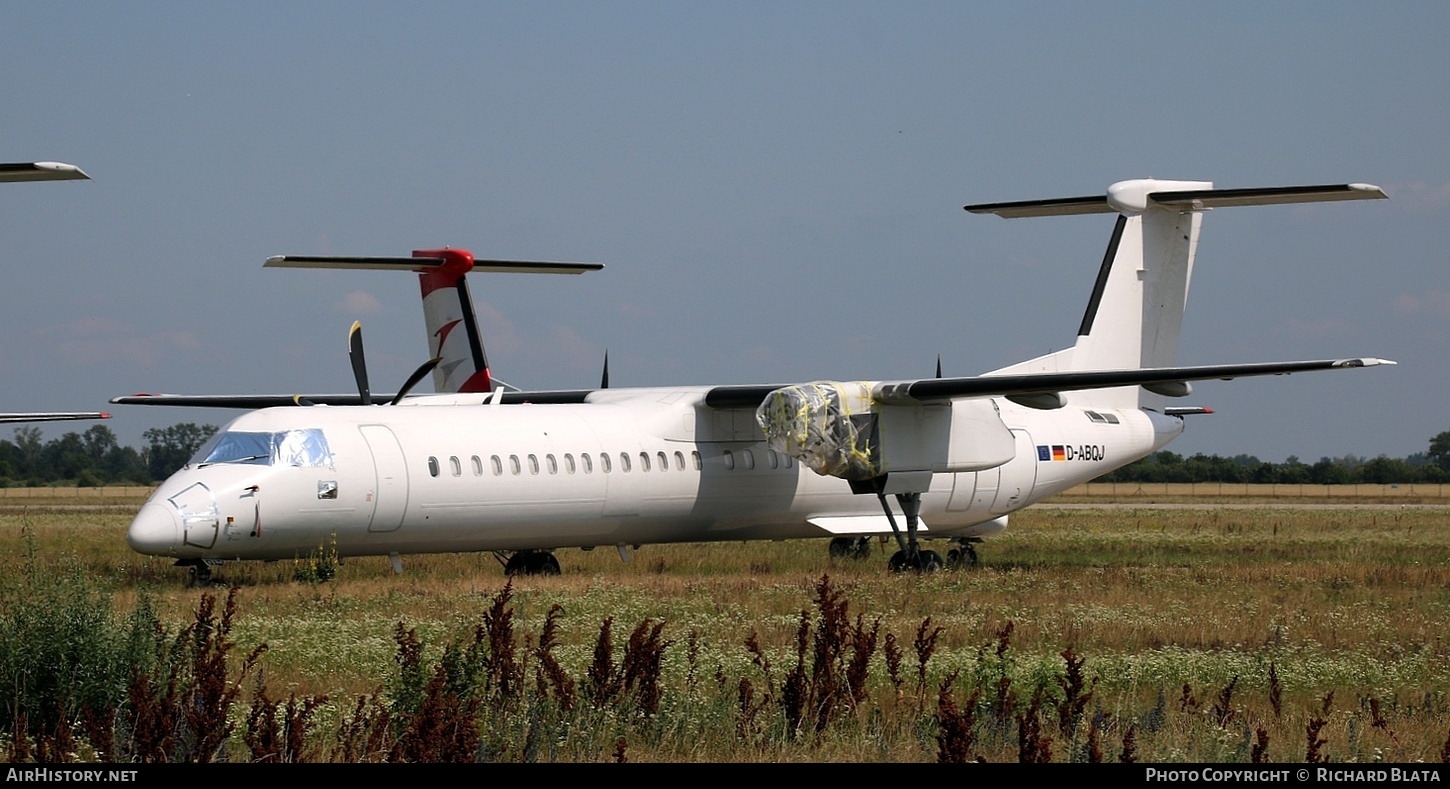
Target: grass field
(1194,634)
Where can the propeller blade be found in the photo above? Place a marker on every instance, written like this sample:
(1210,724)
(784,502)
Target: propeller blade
(418,375)
(604,379)
(938,365)
(359,364)
(300,400)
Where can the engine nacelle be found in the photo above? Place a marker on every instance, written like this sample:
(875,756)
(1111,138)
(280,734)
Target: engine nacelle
(837,429)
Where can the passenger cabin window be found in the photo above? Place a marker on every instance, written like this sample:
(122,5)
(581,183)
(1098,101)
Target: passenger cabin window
(299,448)
(455,466)
(729,461)
(533,464)
(587,463)
(749,458)
(432,466)
(551,463)
(497,463)
(568,463)
(624,462)
(514,465)
(604,462)
(679,461)
(477,466)
(644,461)
(695,457)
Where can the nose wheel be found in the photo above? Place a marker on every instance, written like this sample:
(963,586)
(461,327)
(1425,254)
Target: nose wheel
(199,571)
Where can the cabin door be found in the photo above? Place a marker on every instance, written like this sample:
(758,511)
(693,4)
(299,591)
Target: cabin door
(390,487)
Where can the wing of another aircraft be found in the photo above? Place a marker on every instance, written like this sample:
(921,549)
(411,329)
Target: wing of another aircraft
(11,172)
(52,416)
(40,171)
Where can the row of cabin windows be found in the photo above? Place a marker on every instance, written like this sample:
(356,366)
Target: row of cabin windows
(660,461)
(551,464)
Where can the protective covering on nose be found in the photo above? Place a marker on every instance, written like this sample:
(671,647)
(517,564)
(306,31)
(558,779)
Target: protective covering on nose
(155,531)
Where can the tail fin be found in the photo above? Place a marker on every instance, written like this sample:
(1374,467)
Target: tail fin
(447,304)
(1135,313)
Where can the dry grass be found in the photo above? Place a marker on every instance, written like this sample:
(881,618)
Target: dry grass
(1191,625)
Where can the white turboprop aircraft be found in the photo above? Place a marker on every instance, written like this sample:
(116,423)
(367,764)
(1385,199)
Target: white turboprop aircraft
(524,473)
(11,172)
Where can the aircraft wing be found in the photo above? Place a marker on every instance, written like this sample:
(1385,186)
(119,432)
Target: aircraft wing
(52,416)
(242,401)
(40,171)
(273,400)
(1038,389)
(1042,387)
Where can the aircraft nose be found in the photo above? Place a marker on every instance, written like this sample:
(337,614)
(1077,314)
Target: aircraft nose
(155,530)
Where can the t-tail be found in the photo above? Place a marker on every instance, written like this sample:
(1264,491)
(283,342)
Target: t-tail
(1133,318)
(453,333)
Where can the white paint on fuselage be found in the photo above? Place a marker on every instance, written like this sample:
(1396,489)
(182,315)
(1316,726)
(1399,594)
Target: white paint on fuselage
(382,495)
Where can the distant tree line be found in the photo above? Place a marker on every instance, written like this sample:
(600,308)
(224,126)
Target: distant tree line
(96,458)
(1432,466)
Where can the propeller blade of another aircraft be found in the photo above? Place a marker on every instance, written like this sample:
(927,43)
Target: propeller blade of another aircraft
(418,375)
(359,364)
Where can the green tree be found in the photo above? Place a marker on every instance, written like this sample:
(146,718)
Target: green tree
(1439,453)
(169,448)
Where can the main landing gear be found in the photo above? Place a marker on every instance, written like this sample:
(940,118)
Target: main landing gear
(531,563)
(911,556)
(964,555)
(850,547)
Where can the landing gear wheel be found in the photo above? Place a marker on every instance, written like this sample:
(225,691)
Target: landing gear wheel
(922,562)
(532,563)
(850,547)
(199,574)
(964,557)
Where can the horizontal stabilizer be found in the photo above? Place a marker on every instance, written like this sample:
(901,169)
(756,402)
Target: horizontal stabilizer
(1186,199)
(1187,410)
(40,171)
(421,264)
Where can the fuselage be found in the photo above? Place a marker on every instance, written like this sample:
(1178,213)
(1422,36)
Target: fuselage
(629,467)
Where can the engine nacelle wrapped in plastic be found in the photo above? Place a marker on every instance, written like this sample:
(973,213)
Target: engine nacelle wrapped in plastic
(839,430)
(829,427)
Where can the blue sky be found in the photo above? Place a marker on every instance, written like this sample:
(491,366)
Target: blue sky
(775,189)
